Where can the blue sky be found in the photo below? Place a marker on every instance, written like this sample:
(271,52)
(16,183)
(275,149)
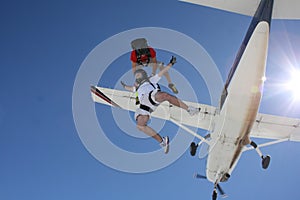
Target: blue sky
(43,44)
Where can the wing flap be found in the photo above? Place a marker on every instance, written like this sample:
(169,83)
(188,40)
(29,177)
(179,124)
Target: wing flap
(166,111)
(276,127)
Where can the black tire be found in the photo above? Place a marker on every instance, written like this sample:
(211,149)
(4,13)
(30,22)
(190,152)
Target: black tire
(214,195)
(266,161)
(193,148)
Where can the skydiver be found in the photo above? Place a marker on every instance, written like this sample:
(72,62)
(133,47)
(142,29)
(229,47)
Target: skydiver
(150,97)
(143,55)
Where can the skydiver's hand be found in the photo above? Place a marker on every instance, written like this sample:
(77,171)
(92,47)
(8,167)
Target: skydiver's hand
(153,74)
(173,60)
(123,84)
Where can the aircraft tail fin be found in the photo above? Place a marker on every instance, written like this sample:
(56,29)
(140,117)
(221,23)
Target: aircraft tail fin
(283,9)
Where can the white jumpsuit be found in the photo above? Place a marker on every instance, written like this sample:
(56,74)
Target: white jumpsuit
(146,94)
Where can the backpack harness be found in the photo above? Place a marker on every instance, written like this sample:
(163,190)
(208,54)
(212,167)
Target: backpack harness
(143,55)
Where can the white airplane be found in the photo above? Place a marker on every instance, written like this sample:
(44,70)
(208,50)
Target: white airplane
(236,121)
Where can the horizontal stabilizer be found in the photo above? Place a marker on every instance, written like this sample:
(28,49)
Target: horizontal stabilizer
(283,9)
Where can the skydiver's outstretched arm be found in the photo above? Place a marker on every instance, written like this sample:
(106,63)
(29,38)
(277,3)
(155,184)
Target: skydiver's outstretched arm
(127,87)
(171,63)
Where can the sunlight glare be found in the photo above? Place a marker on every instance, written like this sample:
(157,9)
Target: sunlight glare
(294,84)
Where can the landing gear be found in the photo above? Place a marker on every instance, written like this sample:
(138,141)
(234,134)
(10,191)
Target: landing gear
(193,148)
(265,159)
(214,194)
(217,187)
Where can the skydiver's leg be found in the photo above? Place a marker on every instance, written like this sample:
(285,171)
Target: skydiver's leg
(142,126)
(163,96)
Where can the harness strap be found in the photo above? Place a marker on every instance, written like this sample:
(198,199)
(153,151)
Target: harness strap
(157,86)
(151,100)
(147,108)
(150,94)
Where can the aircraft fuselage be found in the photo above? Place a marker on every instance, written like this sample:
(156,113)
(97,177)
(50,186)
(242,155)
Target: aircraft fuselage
(239,108)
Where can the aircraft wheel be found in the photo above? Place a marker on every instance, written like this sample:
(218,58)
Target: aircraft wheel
(266,161)
(214,195)
(193,148)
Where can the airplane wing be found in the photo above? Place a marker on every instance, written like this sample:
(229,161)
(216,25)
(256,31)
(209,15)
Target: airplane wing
(126,100)
(265,126)
(283,9)
(276,127)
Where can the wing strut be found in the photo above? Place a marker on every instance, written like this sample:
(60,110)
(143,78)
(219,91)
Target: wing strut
(266,144)
(190,131)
